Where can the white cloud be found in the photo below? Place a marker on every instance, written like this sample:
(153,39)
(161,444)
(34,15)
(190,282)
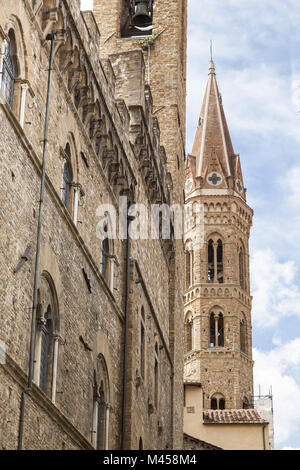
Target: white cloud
(275,292)
(291,180)
(289,448)
(276,368)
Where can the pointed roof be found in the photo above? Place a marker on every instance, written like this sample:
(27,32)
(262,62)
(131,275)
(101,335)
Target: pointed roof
(212,145)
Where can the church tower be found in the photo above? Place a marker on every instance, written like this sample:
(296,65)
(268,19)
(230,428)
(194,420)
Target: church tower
(217,310)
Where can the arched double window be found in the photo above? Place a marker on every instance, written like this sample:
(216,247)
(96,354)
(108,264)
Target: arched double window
(216,330)
(243,335)
(215,260)
(47,337)
(67,179)
(9,69)
(108,261)
(101,406)
(242,277)
(217,402)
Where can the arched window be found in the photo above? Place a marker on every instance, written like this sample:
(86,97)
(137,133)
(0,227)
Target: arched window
(220,277)
(136,18)
(243,335)
(189,269)
(101,405)
(216,325)
(217,402)
(242,269)
(47,339)
(211,272)
(215,260)
(67,177)
(246,404)
(141,447)
(188,334)
(9,69)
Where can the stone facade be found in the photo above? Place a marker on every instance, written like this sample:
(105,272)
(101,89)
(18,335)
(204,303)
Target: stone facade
(107,138)
(218,340)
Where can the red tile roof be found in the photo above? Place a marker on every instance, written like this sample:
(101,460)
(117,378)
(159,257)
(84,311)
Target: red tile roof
(232,417)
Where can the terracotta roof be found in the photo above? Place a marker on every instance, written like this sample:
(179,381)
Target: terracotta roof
(232,417)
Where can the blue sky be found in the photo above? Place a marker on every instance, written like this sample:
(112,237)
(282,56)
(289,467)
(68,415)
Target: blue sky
(256,49)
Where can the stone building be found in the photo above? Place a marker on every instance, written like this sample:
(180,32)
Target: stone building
(217,304)
(91,326)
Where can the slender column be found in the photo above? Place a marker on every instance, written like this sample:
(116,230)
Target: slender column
(216,330)
(55,362)
(37,364)
(215,262)
(112,273)
(107,427)
(76,199)
(24,88)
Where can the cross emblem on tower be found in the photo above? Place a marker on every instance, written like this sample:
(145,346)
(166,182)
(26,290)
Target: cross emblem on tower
(214,179)
(239,186)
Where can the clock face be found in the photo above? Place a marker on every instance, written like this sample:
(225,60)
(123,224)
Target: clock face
(239,186)
(189,185)
(214,179)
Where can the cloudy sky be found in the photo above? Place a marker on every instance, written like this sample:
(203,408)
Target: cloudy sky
(256,49)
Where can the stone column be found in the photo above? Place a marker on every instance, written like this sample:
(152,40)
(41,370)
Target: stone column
(215,263)
(24,88)
(216,330)
(55,362)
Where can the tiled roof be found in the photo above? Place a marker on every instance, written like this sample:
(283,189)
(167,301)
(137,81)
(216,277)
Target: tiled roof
(232,417)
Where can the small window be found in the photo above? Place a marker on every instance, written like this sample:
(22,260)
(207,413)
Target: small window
(217,402)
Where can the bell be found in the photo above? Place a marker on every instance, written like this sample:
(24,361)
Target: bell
(142,16)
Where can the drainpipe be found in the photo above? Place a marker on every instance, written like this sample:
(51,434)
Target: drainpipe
(27,391)
(127,285)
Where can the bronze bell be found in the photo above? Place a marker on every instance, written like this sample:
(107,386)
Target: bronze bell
(142,16)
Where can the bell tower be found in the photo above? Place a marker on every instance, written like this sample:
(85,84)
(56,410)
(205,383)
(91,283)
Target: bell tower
(218,342)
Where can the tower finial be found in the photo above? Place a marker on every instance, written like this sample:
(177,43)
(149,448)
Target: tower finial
(211,64)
